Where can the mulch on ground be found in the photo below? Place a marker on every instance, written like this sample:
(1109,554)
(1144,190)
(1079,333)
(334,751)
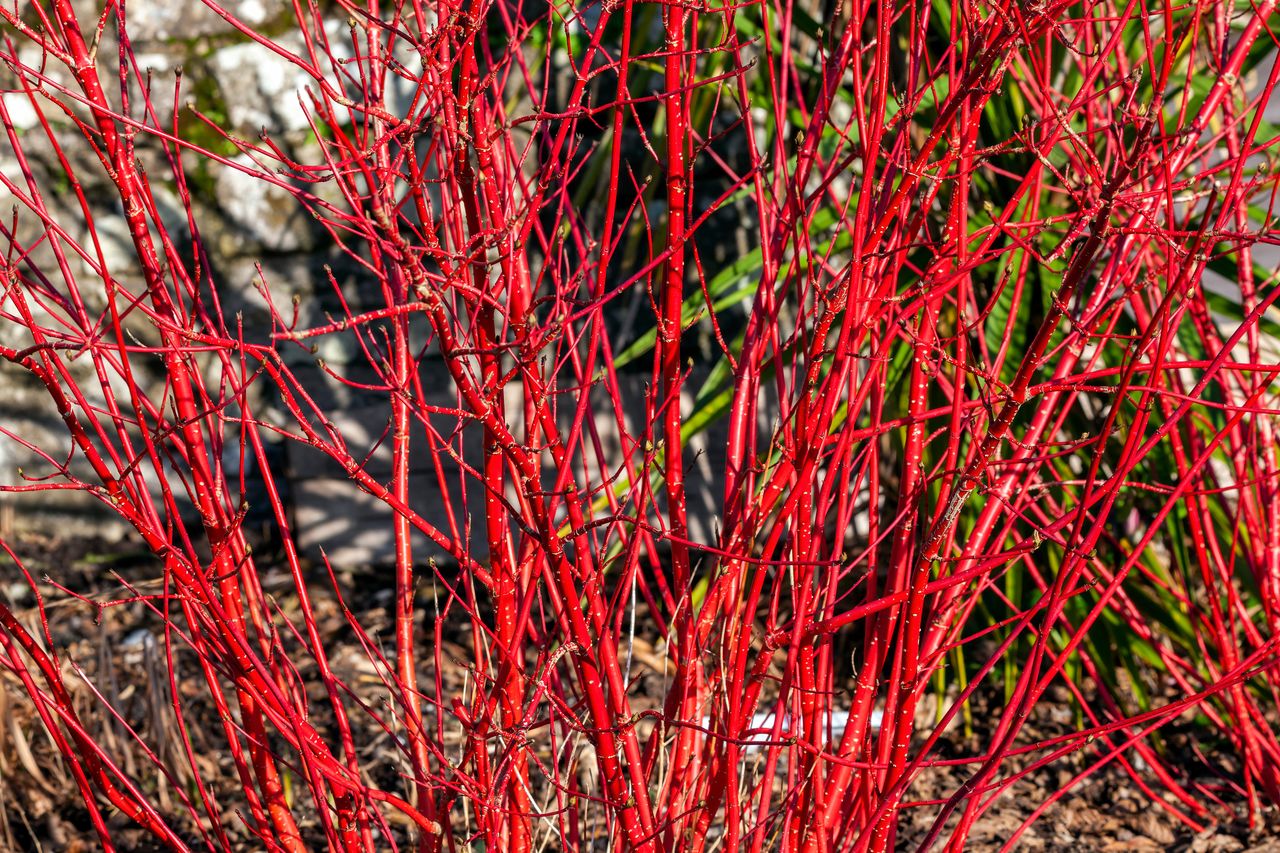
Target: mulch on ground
(117,649)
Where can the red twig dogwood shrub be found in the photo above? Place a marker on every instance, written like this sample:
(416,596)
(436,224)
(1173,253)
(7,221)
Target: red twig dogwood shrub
(967,307)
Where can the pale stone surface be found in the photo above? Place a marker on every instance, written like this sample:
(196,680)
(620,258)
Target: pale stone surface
(266,216)
(165,20)
(262,89)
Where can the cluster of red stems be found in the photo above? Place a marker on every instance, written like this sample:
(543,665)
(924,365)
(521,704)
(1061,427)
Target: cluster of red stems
(850,521)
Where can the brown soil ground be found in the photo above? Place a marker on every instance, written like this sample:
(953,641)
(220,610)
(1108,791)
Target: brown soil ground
(40,810)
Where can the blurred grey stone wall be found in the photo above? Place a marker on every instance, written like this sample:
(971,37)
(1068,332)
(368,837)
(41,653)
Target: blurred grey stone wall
(244,224)
(248,226)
